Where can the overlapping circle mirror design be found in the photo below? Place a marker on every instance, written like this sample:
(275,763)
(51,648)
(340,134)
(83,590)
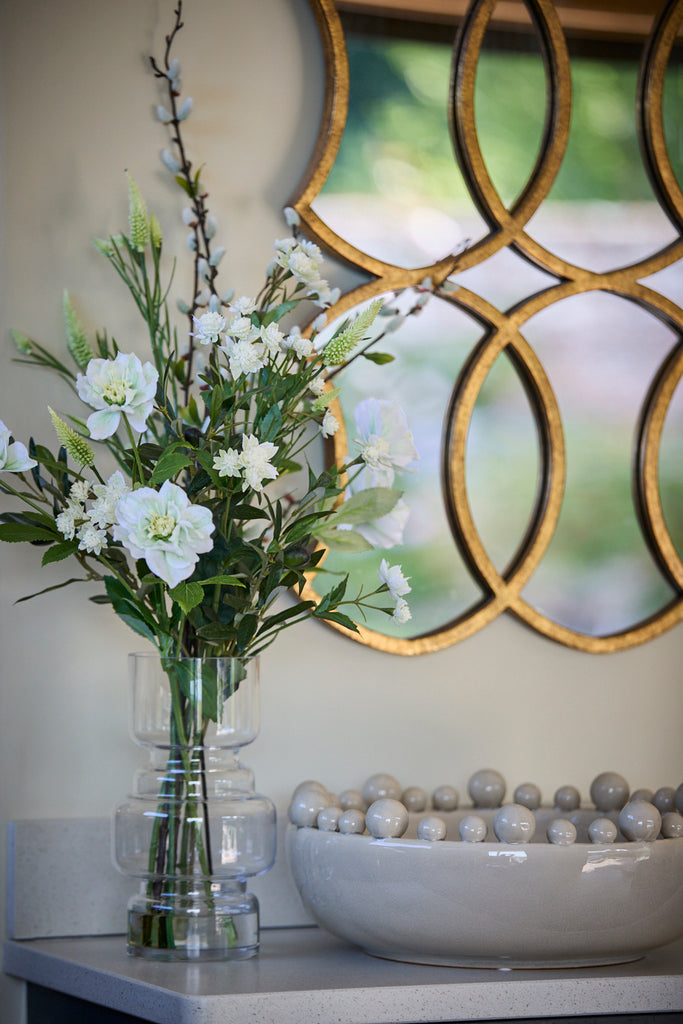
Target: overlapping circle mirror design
(511,334)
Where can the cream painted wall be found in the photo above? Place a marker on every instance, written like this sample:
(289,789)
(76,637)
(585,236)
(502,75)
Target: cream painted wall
(77,101)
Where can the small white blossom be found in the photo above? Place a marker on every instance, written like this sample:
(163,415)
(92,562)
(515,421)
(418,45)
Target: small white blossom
(210,227)
(122,386)
(242,329)
(302,346)
(164,115)
(174,70)
(291,217)
(78,495)
(228,463)
(203,269)
(320,322)
(217,255)
(401,613)
(272,337)
(244,358)
(244,306)
(394,579)
(317,385)
(191,242)
(65,523)
(14,457)
(255,458)
(91,539)
(330,424)
(209,327)
(165,529)
(103,510)
(215,304)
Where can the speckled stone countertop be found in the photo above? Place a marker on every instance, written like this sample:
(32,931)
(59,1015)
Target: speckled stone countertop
(306,974)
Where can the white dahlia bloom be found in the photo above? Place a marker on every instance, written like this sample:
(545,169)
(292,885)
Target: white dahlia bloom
(116,387)
(209,326)
(14,457)
(255,458)
(165,529)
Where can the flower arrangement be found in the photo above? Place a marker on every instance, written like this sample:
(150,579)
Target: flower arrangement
(213,508)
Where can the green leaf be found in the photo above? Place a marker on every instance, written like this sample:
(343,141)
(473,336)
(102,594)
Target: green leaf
(58,552)
(187,595)
(340,619)
(228,581)
(277,313)
(380,358)
(245,630)
(14,533)
(366,506)
(56,586)
(168,465)
(347,541)
(216,632)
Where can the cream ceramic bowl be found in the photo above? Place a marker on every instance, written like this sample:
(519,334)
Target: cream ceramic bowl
(492,904)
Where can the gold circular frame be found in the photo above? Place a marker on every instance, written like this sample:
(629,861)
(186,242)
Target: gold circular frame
(502,330)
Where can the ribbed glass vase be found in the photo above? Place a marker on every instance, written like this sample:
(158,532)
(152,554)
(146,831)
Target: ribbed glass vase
(193,830)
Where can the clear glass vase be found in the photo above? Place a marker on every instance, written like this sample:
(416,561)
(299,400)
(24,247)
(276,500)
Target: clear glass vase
(193,830)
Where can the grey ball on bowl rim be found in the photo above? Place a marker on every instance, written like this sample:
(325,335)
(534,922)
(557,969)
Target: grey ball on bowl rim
(567,798)
(486,788)
(431,828)
(514,823)
(414,798)
(640,821)
(386,819)
(473,829)
(561,832)
(379,786)
(445,798)
(602,830)
(664,799)
(528,795)
(672,825)
(609,791)
(351,822)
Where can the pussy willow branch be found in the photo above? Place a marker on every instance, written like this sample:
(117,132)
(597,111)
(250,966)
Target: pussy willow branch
(197,198)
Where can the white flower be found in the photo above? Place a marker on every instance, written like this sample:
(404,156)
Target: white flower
(123,386)
(304,261)
(165,529)
(317,385)
(102,512)
(170,161)
(14,457)
(228,463)
(255,458)
(394,579)
(244,357)
(78,495)
(244,306)
(401,613)
(302,346)
(209,326)
(242,329)
(91,539)
(291,216)
(384,440)
(330,424)
(272,337)
(65,523)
